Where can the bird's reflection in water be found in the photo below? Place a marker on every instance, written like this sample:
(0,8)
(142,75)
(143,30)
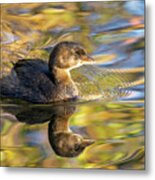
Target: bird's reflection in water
(64,142)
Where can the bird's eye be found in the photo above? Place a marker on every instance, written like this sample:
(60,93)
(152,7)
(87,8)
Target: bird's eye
(80,52)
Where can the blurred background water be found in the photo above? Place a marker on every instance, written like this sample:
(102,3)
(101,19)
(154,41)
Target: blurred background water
(113,33)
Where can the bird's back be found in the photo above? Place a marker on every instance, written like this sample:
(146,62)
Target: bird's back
(29,80)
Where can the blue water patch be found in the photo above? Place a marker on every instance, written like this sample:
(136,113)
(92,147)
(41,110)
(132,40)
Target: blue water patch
(59,29)
(19,11)
(135,7)
(136,33)
(114,25)
(9,38)
(135,95)
(120,56)
(135,59)
(93,17)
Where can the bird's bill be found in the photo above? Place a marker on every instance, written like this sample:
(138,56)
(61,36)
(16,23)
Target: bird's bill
(87,142)
(87,58)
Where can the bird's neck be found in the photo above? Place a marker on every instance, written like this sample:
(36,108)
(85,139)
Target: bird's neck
(65,88)
(60,124)
(61,76)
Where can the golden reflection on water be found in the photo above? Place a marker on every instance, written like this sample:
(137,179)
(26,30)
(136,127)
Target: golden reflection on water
(115,127)
(115,123)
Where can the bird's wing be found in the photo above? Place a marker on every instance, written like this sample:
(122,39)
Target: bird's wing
(33,79)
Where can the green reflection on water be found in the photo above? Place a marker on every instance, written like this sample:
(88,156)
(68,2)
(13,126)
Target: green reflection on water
(117,132)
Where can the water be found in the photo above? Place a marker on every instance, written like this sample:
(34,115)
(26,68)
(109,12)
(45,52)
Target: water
(111,109)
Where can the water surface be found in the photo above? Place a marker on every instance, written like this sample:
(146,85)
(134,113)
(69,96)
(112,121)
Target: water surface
(113,33)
